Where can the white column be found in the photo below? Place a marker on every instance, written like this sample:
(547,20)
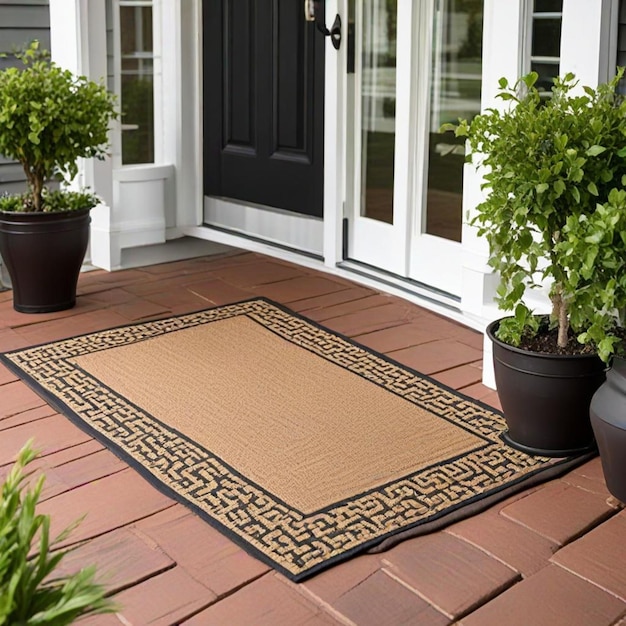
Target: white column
(588,40)
(504,32)
(65,40)
(78,43)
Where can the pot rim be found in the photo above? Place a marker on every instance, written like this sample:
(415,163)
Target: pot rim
(36,214)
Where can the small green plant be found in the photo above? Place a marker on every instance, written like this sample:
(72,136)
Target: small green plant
(51,201)
(554,212)
(49,118)
(29,592)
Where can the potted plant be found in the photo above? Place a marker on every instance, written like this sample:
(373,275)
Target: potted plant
(554,216)
(49,118)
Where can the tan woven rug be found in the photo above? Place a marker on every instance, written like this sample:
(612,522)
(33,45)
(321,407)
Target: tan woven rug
(301,445)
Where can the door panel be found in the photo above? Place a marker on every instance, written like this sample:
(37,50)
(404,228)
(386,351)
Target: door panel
(238,75)
(264,104)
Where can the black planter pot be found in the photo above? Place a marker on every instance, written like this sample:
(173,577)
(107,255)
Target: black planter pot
(43,253)
(545,398)
(608,418)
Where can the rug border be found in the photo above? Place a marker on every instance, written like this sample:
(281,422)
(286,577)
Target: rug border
(466,509)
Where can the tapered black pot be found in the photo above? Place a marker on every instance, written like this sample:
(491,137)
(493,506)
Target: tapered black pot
(608,418)
(545,398)
(43,253)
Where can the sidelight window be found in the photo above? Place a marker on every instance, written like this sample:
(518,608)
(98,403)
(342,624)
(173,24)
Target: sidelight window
(133,62)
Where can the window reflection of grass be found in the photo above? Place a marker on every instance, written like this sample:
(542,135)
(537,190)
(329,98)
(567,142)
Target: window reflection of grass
(378,192)
(138,108)
(379,169)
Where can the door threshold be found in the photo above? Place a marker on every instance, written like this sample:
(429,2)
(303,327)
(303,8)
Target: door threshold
(407,285)
(262,240)
(446,305)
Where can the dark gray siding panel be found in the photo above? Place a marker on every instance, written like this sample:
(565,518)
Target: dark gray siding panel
(21,21)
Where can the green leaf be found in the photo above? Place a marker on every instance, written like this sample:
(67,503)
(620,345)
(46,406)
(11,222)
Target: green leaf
(559,187)
(541,188)
(595,150)
(530,79)
(593,190)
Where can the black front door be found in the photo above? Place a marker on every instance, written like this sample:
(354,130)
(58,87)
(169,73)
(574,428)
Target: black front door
(263,104)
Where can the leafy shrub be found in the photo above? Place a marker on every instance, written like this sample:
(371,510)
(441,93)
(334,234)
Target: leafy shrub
(554,211)
(49,118)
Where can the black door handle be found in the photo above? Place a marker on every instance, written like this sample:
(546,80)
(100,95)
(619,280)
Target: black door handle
(335,30)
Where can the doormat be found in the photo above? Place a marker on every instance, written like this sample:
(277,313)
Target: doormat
(301,445)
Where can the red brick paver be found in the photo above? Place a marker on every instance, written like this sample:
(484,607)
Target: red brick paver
(599,556)
(449,573)
(551,555)
(549,598)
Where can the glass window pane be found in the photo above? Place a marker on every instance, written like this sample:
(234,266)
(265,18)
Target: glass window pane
(547,72)
(546,38)
(455,90)
(138,119)
(548,6)
(137,84)
(378,130)
(136,29)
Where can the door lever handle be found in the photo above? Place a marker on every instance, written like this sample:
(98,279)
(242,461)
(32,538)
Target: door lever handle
(334,33)
(314,12)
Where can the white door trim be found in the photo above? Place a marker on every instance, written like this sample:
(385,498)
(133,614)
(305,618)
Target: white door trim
(335,165)
(373,242)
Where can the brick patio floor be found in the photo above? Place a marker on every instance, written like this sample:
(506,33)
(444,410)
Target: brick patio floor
(555,554)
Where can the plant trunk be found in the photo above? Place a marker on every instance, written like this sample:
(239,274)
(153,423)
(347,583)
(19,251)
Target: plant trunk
(37,188)
(36,184)
(559,311)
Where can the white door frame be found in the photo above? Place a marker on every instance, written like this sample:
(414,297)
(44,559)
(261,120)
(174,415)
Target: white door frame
(373,242)
(433,260)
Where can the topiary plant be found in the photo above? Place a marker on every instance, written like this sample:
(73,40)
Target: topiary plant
(554,212)
(49,118)
(29,592)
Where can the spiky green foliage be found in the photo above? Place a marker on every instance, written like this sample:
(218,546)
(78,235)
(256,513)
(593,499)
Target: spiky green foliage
(30,594)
